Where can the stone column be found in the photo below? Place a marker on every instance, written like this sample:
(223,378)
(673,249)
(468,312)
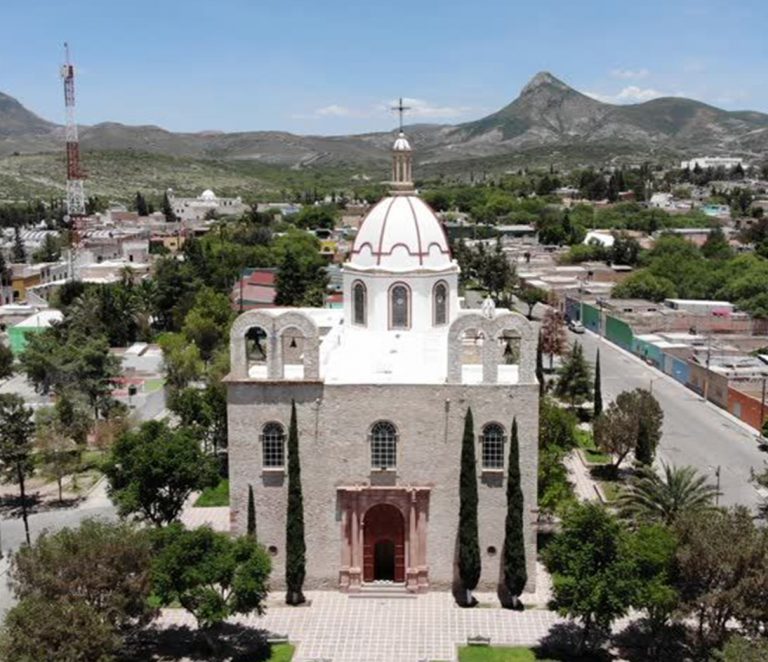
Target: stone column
(346,550)
(421,511)
(355,570)
(412,556)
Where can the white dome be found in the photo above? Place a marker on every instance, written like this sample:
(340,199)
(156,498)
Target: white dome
(207,195)
(401,233)
(401,144)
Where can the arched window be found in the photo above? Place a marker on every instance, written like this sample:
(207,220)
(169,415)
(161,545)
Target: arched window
(273,445)
(383,445)
(399,306)
(492,441)
(359,303)
(440,304)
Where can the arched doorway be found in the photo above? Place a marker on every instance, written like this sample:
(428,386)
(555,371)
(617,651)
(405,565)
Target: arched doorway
(383,544)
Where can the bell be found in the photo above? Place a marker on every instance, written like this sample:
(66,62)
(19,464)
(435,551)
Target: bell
(293,343)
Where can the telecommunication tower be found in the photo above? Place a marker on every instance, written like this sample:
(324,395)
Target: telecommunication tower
(75,174)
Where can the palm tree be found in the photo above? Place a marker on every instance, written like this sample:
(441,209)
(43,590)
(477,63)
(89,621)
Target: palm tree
(664,497)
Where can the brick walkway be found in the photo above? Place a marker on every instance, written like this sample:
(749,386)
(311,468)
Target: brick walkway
(339,628)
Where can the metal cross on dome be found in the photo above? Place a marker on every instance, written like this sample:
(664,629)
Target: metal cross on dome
(400,108)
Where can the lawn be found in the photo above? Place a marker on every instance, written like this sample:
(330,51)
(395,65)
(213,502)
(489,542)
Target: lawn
(498,654)
(281,653)
(586,443)
(211,497)
(610,489)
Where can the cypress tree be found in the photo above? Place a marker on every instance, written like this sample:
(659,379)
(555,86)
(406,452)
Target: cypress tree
(18,252)
(167,209)
(469,544)
(514,572)
(598,401)
(295,546)
(251,513)
(540,368)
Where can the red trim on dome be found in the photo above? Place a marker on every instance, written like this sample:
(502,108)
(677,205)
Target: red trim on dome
(416,225)
(383,228)
(355,249)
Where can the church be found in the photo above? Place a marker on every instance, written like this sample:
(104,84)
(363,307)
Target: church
(382,388)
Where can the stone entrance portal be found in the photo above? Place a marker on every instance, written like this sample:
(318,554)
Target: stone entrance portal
(384,536)
(383,544)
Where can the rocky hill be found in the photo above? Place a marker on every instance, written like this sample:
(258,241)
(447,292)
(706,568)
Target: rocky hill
(548,121)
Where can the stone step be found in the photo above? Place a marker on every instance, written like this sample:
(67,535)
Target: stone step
(383,590)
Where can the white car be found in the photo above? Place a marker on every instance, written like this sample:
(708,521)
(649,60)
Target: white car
(576,326)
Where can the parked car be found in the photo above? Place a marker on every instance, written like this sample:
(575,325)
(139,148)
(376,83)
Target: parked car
(576,326)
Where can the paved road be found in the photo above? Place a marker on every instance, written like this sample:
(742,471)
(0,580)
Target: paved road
(694,432)
(97,504)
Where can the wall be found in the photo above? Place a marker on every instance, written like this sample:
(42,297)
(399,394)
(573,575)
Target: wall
(590,317)
(716,384)
(333,427)
(618,332)
(746,406)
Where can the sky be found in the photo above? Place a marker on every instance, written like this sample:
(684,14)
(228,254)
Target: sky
(336,66)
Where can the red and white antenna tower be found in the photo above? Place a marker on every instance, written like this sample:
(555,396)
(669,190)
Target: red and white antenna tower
(75,174)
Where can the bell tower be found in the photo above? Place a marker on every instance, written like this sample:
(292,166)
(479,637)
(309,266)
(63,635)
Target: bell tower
(402,157)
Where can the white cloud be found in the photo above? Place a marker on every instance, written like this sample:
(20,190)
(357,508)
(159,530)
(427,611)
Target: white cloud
(631,94)
(419,108)
(627,74)
(334,110)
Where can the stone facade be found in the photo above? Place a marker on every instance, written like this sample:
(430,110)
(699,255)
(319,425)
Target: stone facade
(381,390)
(333,426)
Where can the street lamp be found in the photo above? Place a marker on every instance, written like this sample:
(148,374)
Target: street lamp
(650,383)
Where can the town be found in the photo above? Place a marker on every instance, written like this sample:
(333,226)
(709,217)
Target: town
(424,393)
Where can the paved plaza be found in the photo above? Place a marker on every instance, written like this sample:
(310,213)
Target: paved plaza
(340,628)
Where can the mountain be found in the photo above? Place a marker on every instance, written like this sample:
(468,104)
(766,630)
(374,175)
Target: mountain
(548,122)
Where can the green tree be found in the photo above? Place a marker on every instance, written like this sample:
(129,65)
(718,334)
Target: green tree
(574,381)
(104,565)
(313,217)
(530,296)
(251,528)
(664,497)
(649,420)
(716,247)
(141,204)
(6,361)
(540,368)
(182,360)
(645,285)
(594,578)
(50,251)
(631,423)
(553,337)
(61,630)
(496,273)
(17,430)
(741,649)
(57,450)
(652,549)
(597,408)
(153,470)
(167,209)
(18,251)
(212,575)
(515,575)
(295,545)
(721,571)
(468,543)
(207,323)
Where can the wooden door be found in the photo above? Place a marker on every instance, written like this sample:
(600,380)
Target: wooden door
(383,524)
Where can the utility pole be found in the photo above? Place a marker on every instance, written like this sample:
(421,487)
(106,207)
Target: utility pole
(717,496)
(762,410)
(75,174)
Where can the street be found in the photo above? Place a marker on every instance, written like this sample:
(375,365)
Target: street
(97,504)
(695,432)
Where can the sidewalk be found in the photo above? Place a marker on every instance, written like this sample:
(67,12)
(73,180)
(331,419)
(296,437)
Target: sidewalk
(583,485)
